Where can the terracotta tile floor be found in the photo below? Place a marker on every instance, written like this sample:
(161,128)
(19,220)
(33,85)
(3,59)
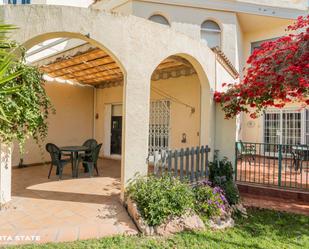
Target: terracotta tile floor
(275,203)
(265,170)
(65,210)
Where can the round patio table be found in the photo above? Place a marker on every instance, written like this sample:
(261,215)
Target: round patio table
(74,150)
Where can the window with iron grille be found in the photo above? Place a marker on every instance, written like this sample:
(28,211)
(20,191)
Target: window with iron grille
(159,125)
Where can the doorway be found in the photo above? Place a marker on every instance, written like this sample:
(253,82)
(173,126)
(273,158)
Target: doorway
(116,135)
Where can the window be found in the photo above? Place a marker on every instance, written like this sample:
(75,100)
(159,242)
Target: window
(159,19)
(286,127)
(17,1)
(257,44)
(211,33)
(159,125)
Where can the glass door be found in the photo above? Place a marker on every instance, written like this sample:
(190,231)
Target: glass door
(284,127)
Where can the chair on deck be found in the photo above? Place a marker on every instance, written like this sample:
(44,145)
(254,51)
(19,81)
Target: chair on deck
(244,151)
(56,160)
(91,144)
(300,154)
(90,162)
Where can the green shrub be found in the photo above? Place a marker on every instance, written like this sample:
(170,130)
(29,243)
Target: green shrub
(157,198)
(231,192)
(209,201)
(221,174)
(220,171)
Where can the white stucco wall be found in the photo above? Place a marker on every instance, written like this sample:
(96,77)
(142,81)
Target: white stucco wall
(188,20)
(225,130)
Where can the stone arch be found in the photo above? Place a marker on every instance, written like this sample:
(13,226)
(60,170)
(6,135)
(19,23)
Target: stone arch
(204,94)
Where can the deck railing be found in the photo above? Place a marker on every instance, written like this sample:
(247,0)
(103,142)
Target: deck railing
(278,165)
(189,163)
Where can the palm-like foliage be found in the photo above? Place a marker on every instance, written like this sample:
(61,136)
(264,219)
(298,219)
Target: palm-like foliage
(7,58)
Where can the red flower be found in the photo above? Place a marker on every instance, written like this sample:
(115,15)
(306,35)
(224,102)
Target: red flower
(277,73)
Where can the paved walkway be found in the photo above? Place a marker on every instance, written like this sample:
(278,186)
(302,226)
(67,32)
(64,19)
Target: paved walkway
(279,204)
(67,210)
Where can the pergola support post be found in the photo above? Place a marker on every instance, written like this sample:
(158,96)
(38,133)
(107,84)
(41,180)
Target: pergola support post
(5,173)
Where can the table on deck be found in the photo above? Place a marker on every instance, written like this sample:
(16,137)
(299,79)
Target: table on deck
(74,150)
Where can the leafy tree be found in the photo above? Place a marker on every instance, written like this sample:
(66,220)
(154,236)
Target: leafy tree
(24,104)
(277,73)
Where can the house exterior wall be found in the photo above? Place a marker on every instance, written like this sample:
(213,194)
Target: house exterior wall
(249,133)
(186,89)
(74,115)
(148,43)
(188,20)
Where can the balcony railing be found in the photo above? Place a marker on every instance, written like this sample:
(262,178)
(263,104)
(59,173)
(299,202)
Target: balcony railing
(277,165)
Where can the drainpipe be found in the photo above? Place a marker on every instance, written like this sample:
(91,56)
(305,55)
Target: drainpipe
(94,111)
(215,111)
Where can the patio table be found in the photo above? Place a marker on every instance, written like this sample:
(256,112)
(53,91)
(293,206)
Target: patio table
(301,154)
(74,150)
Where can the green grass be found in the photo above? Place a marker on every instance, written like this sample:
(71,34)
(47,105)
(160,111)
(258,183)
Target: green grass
(264,229)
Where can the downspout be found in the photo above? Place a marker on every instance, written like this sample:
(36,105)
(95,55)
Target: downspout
(94,112)
(215,111)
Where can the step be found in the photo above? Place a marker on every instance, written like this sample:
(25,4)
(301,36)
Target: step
(262,190)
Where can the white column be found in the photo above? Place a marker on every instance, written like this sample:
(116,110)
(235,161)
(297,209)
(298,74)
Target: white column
(5,173)
(135,127)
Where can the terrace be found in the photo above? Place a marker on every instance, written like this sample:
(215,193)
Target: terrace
(66,210)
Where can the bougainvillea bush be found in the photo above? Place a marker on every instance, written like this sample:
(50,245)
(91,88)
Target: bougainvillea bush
(277,73)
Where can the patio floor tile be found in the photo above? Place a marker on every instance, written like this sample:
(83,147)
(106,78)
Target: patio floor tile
(65,210)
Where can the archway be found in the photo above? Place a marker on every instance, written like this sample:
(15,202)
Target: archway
(177,118)
(77,60)
(85,84)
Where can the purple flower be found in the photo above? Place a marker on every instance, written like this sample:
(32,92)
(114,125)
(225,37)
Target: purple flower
(206,182)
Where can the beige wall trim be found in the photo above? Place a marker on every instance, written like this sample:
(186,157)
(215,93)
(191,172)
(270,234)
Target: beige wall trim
(109,5)
(225,62)
(237,6)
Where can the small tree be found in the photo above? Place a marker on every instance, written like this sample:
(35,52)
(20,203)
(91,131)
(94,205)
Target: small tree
(24,104)
(277,73)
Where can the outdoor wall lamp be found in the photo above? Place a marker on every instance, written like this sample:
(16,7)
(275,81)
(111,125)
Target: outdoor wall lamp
(184,138)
